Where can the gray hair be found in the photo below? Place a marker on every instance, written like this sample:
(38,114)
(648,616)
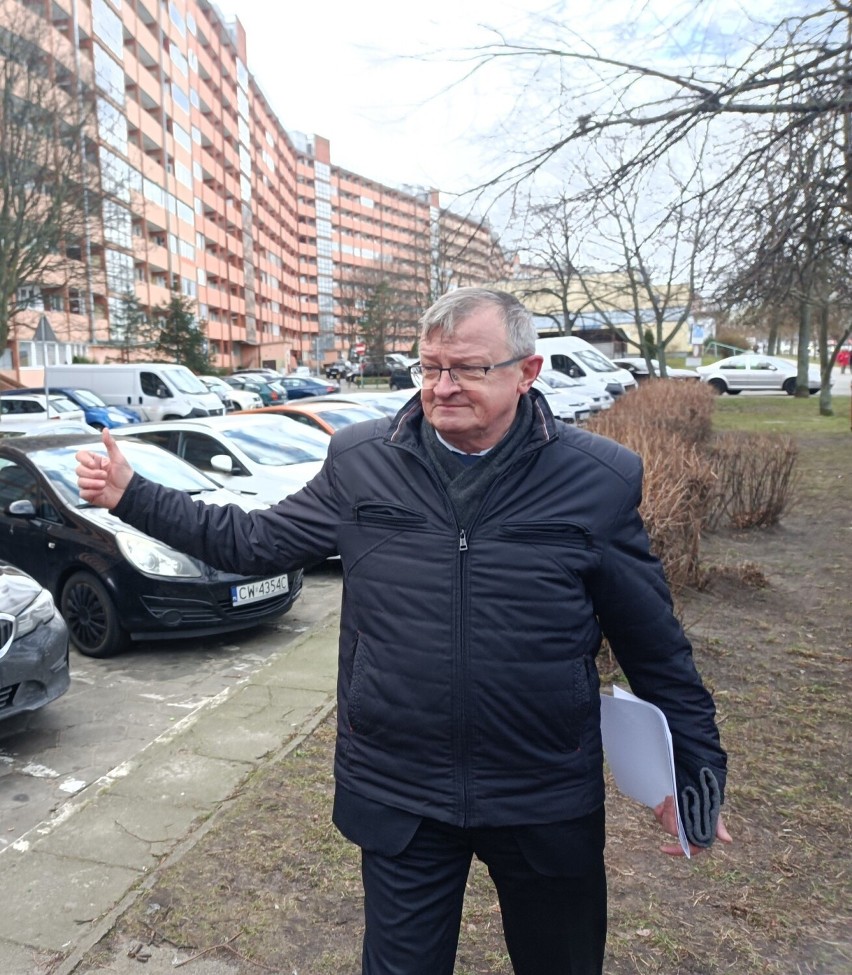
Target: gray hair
(454,307)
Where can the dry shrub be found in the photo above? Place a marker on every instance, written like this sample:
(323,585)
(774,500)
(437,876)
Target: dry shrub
(755,476)
(684,408)
(665,427)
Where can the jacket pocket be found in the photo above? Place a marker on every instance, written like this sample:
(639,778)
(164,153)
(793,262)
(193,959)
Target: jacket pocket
(583,678)
(387,514)
(555,532)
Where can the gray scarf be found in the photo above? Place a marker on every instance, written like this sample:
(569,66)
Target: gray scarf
(467,484)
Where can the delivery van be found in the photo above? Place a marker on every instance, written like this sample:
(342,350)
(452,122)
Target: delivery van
(153,390)
(578,358)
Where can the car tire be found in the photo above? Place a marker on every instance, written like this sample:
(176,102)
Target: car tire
(734,392)
(91,617)
(789,386)
(718,386)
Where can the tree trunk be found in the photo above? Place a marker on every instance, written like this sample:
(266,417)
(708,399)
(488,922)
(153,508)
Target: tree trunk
(824,363)
(803,360)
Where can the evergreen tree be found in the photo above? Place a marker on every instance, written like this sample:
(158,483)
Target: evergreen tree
(131,329)
(182,338)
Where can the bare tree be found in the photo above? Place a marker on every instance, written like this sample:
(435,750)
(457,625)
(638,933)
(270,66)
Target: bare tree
(793,250)
(554,286)
(47,179)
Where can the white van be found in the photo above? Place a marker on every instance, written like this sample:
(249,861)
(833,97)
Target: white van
(153,390)
(577,357)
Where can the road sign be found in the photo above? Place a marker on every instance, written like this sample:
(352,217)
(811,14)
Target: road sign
(360,348)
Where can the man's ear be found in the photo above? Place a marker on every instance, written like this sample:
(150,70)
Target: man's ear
(530,368)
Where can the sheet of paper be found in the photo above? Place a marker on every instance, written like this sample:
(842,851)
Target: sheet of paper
(638,748)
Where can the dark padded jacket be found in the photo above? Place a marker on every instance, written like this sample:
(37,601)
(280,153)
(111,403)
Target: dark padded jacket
(467,687)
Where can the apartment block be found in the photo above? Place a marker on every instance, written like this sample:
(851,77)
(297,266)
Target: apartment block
(208,195)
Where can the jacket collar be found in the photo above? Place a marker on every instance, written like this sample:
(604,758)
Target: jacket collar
(404,429)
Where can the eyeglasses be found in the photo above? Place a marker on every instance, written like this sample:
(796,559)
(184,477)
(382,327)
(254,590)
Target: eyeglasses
(463,376)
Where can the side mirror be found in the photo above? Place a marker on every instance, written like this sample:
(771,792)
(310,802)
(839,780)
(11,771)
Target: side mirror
(21,509)
(222,463)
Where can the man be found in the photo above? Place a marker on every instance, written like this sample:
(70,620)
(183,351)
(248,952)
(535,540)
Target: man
(503,542)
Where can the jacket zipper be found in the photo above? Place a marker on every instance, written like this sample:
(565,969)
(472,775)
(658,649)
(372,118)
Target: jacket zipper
(463,731)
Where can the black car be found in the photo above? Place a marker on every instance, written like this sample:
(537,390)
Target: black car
(114,584)
(33,645)
(400,378)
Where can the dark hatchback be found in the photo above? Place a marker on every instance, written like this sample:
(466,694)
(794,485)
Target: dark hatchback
(33,645)
(301,387)
(114,584)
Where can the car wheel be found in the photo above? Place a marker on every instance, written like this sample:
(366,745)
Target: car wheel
(789,386)
(91,617)
(734,392)
(718,386)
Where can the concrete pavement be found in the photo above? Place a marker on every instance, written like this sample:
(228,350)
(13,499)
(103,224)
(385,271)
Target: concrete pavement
(67,881)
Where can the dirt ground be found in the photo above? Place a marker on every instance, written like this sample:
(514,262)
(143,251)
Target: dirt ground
(272,888)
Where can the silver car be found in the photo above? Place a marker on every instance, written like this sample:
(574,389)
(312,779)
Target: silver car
(752,370)
(33,645)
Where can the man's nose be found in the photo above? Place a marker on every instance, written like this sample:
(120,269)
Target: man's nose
(445,384)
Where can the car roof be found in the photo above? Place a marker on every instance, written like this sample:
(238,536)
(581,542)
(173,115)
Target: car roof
(202,422)
(35,443)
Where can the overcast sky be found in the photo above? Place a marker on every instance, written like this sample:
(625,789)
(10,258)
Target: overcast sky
(357,73)
(382,79)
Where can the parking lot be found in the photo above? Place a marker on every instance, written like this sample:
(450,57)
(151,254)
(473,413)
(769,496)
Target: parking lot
(116,707)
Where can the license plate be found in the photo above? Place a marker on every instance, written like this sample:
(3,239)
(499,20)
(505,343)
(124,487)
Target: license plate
(252,592)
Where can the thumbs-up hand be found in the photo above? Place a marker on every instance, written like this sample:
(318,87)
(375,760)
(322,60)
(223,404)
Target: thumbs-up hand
(102,480)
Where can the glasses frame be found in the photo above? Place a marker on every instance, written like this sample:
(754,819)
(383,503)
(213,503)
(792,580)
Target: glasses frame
(453,372)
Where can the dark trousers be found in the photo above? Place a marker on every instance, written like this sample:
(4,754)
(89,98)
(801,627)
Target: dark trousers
(550,882)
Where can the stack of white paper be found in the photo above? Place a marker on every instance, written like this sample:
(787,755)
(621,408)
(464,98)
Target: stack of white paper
(638,748)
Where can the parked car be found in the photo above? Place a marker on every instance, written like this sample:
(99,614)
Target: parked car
(218,386)
(300,387)
(270,391)
(599,399)
(95,411)
(326,416)
(38,407)
(9,428)
(579,359)
(33,645)
(112,583)
(638,368)
(239,399)
(389,402)
(341,369)
(753,370)
(257,371)
(400,377)
(565,404)
(253,454)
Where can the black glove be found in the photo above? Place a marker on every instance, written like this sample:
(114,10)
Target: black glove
(700,802)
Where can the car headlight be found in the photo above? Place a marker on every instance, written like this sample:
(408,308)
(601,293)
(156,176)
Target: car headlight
(39,611)
(156,559)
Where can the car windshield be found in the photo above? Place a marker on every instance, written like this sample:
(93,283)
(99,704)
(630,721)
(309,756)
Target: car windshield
(59,466)
(279,443)
(557,379)
(184,381)
(61,404)
(88,398)
(337,419)
(595,361)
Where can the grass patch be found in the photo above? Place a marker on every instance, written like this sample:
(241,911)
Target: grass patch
(780,414)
